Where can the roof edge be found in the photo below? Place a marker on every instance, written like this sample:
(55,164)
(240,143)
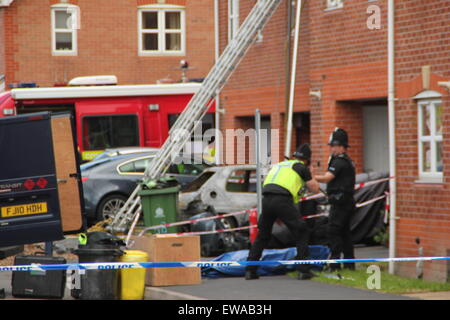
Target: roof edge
(104,91)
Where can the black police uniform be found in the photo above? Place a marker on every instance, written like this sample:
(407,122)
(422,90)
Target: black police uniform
(277,203)
(340,191)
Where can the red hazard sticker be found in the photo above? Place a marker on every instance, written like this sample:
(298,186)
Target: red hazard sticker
(29,184)
(42,183)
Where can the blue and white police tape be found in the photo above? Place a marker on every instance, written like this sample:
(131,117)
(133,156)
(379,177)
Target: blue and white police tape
(202,264)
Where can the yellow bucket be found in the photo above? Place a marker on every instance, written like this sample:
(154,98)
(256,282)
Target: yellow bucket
(133,280)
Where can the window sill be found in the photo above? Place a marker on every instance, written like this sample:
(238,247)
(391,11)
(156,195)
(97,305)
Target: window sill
(162,54)
(333,8)
(64,54)
(430,181)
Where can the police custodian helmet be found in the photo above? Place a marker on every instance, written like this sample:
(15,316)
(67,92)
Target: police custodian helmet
(338,137)
(303,152)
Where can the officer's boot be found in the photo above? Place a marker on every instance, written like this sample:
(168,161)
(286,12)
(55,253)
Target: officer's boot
(305,273)
(334,267)
(349,266)
(251,273)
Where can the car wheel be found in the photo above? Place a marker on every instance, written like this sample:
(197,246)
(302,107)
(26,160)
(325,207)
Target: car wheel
(110,206)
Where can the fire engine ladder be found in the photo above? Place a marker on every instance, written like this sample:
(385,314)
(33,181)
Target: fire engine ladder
(185,125)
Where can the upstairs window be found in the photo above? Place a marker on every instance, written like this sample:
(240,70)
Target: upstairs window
(334,4)
(430,139)
(161,30)
(233,18)
(65,22)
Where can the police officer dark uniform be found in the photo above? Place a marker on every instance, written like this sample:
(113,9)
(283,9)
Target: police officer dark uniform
(340,179)
(283,187)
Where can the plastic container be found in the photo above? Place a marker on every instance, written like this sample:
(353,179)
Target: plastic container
(98,284)
(160,206)
(38,284)
(132,281)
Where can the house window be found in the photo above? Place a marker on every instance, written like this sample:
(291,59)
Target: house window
(65,22)
(233,18)
(161,30)
(334,4)
(430,139)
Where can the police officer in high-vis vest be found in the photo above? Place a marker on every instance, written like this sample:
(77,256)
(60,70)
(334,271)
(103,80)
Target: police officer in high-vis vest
(284,185)
(340,179)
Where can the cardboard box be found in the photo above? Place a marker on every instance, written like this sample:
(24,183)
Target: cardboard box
(162,248)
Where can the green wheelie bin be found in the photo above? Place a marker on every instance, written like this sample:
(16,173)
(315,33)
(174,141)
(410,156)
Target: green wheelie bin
(160,206)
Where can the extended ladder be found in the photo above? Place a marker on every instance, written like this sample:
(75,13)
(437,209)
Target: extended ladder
(185,125)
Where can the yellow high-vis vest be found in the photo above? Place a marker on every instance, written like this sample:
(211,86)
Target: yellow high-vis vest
(285,176)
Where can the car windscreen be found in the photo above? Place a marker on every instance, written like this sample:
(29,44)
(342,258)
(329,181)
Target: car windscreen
(199,182)
(93,164)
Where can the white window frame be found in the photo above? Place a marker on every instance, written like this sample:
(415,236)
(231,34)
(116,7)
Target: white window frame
(334,4)
(75,11)
(5,3)
(233,18)
(433,139)
(161,31)
(2,83)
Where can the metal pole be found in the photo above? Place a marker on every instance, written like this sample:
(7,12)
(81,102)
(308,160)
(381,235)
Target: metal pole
(217,55)
(287,150)
(258,161)
(392,155)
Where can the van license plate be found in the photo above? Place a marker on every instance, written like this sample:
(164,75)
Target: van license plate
(24,210)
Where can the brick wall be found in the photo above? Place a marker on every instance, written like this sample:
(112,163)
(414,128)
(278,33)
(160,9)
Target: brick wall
(107,43)
(2,42)
(338,55)
(423,38)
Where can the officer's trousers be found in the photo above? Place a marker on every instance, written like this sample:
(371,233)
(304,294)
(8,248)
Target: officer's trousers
(281,207)
(339,236)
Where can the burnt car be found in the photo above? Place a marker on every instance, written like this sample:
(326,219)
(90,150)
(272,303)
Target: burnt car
(233,188)
(226,189)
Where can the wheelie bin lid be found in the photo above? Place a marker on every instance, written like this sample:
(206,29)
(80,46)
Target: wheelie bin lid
(146,192)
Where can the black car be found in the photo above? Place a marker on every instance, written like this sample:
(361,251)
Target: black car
(107,183)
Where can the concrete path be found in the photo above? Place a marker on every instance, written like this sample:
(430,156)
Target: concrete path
(272,288)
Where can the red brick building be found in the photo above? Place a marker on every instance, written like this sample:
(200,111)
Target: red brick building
(2,50)
(140,41)
(342,78)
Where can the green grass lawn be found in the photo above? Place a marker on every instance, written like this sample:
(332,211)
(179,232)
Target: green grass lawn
(389,283)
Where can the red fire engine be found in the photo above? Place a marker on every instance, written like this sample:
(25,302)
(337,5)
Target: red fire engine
(110,116)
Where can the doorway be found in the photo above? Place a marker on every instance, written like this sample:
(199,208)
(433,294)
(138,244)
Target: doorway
(376,141)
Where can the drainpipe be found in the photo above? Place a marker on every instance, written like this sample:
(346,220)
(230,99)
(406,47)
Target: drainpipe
(287,150)
(258,162)
(217,113)
(392,151)
(288,57)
